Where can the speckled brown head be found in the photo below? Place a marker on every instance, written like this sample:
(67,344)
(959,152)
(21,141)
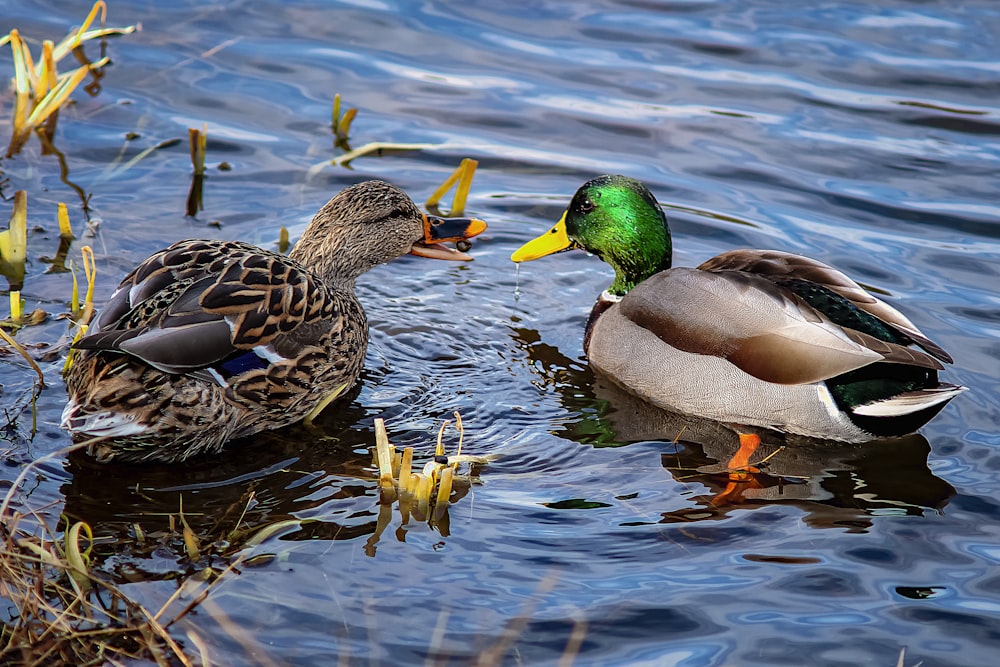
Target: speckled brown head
(371,223)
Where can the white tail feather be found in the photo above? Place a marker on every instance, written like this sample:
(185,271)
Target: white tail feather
(909,402)
(99,424)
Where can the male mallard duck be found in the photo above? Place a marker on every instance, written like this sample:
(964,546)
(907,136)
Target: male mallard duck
(751,337)
(207,341)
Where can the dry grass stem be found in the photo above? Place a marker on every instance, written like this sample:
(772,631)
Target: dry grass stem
(374,148)
(27,357)
(63,612)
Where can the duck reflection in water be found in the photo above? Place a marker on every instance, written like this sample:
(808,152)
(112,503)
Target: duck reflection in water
(836,484)
(305,483)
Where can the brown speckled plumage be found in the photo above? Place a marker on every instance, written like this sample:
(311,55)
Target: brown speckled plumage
(207,341)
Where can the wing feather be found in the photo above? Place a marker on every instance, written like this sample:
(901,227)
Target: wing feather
(765,330)
(788,265)
(198,302)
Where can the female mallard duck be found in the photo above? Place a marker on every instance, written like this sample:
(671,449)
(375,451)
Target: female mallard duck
(751,337)
(207,341)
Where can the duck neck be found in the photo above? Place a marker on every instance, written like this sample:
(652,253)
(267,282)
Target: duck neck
(639,261)
(330,259)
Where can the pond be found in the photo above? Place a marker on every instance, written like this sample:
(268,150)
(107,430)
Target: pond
(864,135)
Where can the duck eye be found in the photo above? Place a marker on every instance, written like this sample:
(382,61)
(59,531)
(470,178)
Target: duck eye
(586,206)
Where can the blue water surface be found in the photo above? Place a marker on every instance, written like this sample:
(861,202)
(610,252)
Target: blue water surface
(866,135)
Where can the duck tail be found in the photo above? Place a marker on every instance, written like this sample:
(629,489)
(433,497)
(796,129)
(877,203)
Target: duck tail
(910,402)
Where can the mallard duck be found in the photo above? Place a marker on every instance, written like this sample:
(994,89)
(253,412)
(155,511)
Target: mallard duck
(207,341)
(751,337)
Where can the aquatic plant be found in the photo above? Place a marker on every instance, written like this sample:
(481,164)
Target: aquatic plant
(341,124)
(463,177)
(198,140)
(39,90)
(13,252)
(422,495)
(81,315)
(57,264)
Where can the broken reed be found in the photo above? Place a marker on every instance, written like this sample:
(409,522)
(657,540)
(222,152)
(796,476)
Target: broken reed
(341,124)
(39,90)
(13,252)
(81,315)
(463,177)
(424,493)
(198,141)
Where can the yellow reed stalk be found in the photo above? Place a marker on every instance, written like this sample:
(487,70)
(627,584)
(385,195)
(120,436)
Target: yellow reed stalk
(191,546)
(25,77)
(22,91)
(444,489)
(77,36)
(83,34)
(425,485)
(341,124)
(461,433)
(65,230)
(81,330)
(283,242)
(405,467)
(79,561)
(74,295)
(14,241)
(56,97)
(47,76)
(367,149)
(16,309)
(199,143)
(90,270)
(439,449)
(463,176)
(385,480)
(63,48)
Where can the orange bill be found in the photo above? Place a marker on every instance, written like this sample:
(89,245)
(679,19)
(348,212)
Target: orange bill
(438,231)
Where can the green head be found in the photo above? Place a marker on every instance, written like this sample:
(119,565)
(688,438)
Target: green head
(617,219)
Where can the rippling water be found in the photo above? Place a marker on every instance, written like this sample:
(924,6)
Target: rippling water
(865,135)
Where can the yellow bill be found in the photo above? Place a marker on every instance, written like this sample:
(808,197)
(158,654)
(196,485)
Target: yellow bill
(554,240)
